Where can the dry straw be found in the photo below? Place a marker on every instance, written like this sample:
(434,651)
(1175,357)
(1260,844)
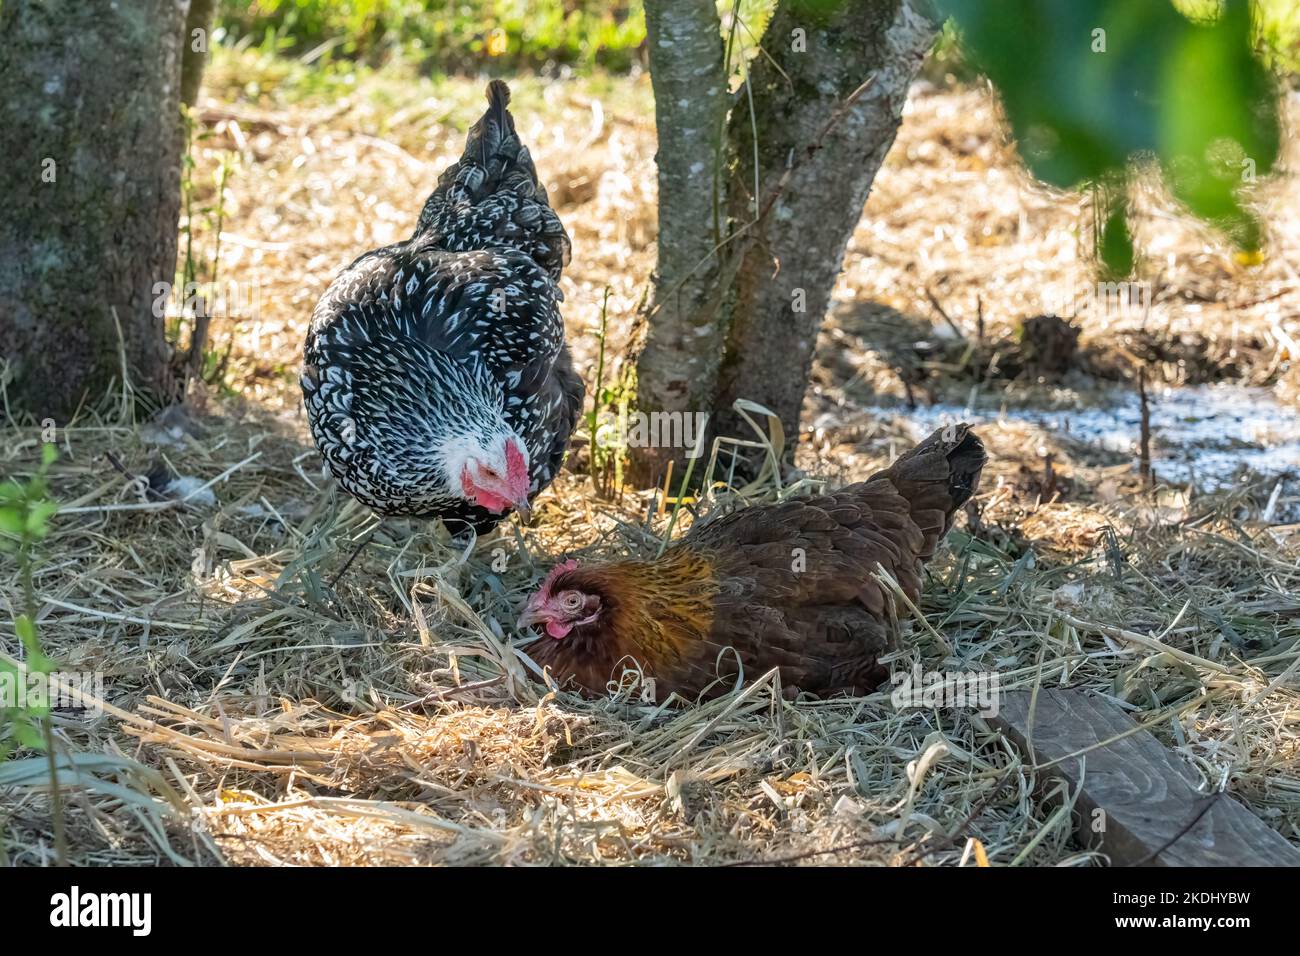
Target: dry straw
(254,716)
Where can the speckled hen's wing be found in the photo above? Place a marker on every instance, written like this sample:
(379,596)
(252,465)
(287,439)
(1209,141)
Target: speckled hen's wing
(500,308)
(493,308)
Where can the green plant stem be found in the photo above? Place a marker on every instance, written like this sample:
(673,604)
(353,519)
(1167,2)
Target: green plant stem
(219,372)
(600,385)
(47,721)
(681,491)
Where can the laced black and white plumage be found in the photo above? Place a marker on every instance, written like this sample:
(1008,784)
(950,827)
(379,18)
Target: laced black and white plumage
(435,351)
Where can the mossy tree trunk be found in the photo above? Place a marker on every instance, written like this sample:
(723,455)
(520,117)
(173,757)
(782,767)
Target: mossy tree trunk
(797,174)
(90,187)
(831,149)
(678,362)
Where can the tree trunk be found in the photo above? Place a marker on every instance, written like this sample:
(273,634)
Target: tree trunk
(832,152)
(678,362)
(89,100)
(749,326)
(197,37)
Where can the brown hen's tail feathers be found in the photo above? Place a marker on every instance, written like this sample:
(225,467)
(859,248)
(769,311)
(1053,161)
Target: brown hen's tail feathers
(952,456)
(937,477)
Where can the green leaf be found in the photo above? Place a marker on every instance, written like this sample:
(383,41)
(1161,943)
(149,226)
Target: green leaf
(25,628)
(1087,84)
(36,661)
(28,735)
(39,516)
(1116,246)
(11,521)
(1216,135)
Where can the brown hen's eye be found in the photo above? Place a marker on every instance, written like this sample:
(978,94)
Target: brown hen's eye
(572,602)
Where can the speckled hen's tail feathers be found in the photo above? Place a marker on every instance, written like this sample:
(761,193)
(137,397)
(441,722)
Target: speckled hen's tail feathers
(491,197)
(498,95)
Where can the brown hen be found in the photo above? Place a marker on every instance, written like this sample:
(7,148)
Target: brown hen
(785,585)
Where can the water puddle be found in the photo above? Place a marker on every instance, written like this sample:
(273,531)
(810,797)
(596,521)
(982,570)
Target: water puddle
(1203,435)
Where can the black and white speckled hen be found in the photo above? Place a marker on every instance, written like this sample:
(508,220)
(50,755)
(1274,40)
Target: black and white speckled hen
(436,376)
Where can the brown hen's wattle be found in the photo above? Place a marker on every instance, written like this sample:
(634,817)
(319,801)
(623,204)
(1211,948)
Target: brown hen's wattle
(785,585)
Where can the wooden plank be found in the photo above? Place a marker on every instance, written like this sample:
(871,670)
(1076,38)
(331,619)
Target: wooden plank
(1153,816)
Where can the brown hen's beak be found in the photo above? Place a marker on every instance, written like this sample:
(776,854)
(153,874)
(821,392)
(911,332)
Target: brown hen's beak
(530,617)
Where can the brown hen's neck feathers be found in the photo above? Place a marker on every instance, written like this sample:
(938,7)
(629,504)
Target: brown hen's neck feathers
(656,612)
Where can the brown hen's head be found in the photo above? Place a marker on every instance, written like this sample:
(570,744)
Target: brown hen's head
(565,600)
(601,618)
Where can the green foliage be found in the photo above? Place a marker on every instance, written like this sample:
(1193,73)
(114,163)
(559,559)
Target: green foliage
(1277,33)
(1116,244)
(1087,84)
(446,34)
(25,513)
(605,464)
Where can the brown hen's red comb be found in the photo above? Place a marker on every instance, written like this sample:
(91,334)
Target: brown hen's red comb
(555,572)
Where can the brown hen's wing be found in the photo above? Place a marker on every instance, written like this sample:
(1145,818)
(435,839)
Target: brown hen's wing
(796,589)
(822,649)
(795,585)
(818,550)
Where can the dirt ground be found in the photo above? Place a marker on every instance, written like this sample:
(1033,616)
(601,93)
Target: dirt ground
(257,718)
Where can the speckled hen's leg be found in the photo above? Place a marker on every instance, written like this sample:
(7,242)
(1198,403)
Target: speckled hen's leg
(338,576)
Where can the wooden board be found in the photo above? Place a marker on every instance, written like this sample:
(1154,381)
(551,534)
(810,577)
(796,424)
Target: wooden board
(1145,792)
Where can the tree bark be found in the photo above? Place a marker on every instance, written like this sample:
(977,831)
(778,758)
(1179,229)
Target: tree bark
(682,344)
(832,152)
(89,100)
(798,171)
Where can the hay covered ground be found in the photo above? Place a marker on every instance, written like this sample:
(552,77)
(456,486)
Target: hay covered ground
(257,716)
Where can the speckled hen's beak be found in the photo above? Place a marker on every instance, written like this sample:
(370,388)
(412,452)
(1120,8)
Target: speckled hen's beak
(524,510)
